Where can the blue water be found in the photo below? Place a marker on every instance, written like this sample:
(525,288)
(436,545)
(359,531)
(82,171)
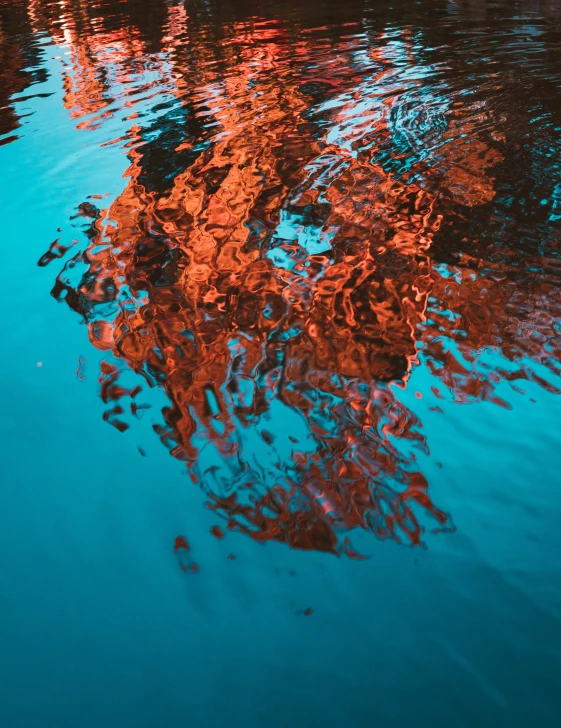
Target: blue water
(99,624)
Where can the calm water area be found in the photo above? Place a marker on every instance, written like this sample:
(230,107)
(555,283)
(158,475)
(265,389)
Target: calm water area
(281,373)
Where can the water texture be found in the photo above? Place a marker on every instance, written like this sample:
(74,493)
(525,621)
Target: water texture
(314,249)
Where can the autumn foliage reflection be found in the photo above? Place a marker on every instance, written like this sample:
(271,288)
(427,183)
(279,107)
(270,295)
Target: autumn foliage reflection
(280,287)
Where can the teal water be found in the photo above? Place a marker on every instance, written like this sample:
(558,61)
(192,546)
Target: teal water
(100,624)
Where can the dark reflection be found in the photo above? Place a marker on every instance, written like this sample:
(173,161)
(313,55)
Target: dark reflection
(321,198)
(19,57)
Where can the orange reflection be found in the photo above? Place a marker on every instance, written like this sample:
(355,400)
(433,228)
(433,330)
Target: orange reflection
(279,287)
(242,326)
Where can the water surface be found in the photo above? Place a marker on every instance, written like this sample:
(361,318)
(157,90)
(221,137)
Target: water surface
(311,251)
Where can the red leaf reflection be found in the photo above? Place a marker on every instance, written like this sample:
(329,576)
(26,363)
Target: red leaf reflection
(274,276)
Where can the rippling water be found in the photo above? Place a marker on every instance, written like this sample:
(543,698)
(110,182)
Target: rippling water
(314,249)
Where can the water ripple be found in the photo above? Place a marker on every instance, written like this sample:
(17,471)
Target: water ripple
(311,214)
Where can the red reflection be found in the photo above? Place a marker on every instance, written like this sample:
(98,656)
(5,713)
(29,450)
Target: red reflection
(279,286)
(227,331)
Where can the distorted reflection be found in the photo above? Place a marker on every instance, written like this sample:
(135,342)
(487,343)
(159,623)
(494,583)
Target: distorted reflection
(312,212)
